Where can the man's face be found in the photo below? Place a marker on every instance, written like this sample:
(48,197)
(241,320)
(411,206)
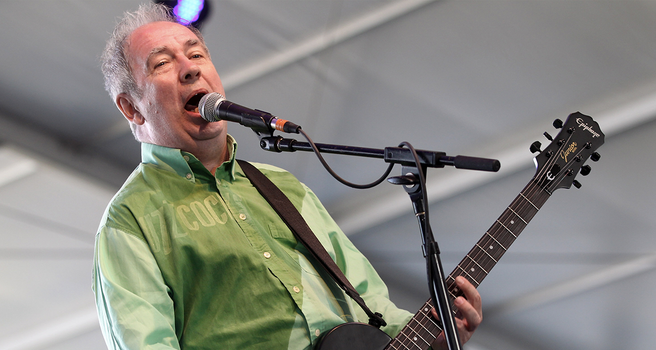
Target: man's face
(173,70)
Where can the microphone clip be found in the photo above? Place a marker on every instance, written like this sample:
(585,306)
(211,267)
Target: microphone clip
(276,143)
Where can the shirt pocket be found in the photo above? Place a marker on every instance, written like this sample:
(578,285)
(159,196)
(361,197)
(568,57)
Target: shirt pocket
(294,249)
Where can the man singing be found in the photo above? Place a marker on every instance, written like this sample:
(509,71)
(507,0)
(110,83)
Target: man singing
(188,254)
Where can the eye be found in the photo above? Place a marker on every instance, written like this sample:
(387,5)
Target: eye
(159,64)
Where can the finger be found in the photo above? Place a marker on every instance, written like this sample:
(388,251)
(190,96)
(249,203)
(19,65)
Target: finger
(471,294)
(434,313)
(470,309)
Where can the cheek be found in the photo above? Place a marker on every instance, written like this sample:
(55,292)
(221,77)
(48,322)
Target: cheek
(212,77)
(161,85)
(160,98)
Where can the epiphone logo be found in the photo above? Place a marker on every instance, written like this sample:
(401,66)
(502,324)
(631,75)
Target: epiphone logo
(566,152)
(587,127)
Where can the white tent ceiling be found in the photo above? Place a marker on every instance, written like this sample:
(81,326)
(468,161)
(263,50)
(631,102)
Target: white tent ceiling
(479,78)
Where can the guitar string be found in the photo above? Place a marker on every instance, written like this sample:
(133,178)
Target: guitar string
(412,341)
(413,327)
(531,190)
(424,311)
(419,335)
(528,192)
(495,230)
(475,280)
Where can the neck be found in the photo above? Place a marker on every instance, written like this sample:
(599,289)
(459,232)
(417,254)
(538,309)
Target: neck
(212,153)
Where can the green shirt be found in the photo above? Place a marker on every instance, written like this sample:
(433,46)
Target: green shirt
(189,260)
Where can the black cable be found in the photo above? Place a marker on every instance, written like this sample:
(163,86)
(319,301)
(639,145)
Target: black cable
(337,177)
(422,180)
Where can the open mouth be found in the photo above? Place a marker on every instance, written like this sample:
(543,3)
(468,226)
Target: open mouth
(192,103)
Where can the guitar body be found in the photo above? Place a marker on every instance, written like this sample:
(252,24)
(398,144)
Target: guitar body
(354,336)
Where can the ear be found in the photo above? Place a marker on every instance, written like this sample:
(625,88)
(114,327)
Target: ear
(126,105)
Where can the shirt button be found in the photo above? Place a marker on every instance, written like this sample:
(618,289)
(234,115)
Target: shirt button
(189,176)
(296,289)
(317,332)
(186,158)
(267,255)
(242,216)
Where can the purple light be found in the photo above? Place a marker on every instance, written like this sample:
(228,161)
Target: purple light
(187,11)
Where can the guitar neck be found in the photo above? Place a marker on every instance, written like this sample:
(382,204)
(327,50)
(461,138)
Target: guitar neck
(422,329)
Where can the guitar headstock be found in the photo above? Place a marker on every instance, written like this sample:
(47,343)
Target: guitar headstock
(560,162)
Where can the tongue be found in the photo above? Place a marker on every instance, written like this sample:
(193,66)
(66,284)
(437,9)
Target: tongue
(191,108)
(192,104)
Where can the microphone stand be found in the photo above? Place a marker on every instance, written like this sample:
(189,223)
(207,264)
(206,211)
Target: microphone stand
(414,184)
(395,155)
(437,288)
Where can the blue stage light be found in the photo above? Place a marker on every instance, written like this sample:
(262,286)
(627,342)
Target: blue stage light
(188,12)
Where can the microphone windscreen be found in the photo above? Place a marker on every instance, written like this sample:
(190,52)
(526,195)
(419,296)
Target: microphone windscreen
(207,105)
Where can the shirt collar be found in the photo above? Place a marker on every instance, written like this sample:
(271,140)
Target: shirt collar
(184,163)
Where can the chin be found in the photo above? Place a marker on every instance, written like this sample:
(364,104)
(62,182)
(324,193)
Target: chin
(212,130)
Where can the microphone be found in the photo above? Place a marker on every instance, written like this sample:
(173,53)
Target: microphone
(214,107)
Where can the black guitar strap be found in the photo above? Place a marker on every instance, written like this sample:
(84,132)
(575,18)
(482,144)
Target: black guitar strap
(286,210)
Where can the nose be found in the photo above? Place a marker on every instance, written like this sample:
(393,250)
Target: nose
(190,72)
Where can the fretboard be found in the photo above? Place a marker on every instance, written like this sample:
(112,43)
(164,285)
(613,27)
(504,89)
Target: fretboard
(422,329)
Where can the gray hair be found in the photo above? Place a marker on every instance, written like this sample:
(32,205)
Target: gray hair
(115,60)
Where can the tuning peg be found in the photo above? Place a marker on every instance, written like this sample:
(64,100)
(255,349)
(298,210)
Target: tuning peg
(558,123)
(595,156)
(535,147)
(585,170)
(546,134)
(576,184)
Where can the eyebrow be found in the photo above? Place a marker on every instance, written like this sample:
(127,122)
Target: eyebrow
(189,43)
(197,42)
(155,51)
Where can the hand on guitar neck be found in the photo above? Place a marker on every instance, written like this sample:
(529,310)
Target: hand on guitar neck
(468,317)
